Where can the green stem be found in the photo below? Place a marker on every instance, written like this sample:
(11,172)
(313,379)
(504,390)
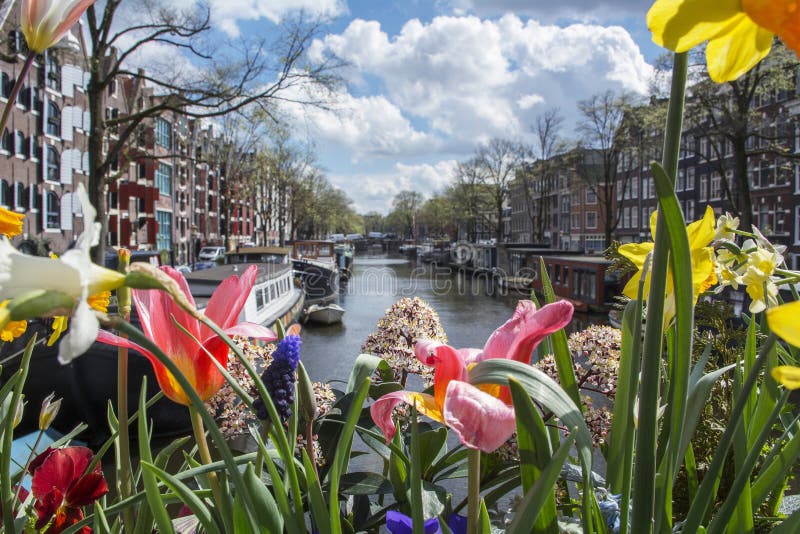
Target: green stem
(124,450)
(473,491)
(264,433)
(31,456)
(12,98)
(205,454)
(647,435)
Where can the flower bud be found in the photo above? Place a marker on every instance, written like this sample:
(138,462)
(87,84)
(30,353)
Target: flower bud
(48,412)
(124,292)
(19,411)
(305,394)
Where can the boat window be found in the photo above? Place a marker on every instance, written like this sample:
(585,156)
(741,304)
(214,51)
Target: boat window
(272,294)
(557,275)
(565,276)
(324,251)
(259,299)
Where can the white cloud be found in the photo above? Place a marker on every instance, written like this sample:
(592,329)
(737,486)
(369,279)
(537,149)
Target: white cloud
(227,14)
(583,10)
(470,79)
(374,191)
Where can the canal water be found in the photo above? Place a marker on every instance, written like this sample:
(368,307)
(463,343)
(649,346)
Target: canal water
(469,307)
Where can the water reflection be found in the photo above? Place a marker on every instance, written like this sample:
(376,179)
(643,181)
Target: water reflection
(470,308)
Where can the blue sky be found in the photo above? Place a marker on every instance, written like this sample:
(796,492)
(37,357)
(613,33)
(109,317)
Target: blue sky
(430,80)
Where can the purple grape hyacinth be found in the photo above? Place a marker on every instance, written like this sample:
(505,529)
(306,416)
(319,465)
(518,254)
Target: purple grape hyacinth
(279,378)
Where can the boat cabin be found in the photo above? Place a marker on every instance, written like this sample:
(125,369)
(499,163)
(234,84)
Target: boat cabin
(583,280)
(323,251)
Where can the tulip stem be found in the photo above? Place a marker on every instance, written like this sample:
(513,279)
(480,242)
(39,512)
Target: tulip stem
(473,491)
(205,454)
(124,467)
(12,98)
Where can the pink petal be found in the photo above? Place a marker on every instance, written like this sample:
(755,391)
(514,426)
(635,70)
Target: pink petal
(251,330)
(480,420)
(228,299)
(517,338)
(448,367)
(425,351)
(104,336)
(381,409)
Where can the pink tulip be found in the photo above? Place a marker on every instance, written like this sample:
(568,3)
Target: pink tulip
(481,416)
(45,22)
(192,354)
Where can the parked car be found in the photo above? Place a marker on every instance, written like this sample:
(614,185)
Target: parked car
(354,237)
(336,237)
(211,254)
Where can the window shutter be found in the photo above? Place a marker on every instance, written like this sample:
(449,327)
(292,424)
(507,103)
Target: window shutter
(77,118)
(85,162)
(66,123)
(77,209)
(66,167)
(87,121)
(66,211)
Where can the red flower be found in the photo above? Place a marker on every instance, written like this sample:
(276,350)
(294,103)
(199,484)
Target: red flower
(194,353)
(61,487)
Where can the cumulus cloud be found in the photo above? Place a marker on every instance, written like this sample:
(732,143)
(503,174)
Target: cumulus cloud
(227,14)
(376,190)
(583,10)
(470,79)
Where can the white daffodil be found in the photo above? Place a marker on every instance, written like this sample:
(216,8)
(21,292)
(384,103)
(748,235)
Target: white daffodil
(72,274)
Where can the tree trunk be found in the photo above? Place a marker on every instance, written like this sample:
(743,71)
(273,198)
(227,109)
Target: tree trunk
(741,189)
(96,179)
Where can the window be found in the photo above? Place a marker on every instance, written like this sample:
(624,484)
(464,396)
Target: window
(33,147)
(690,210)
(163,133)
(52,72)
(164,236)
(20,145)
(626,218)
(52,216)
(16,43)
(651,188)
(576,221)
(703,193)
(7,142)
(53,119)
(53,166)
(690,179)
(5,194)
(591,219)
(23,97)
(164,179)
(680,183)
(5,85)
(591,196)
(112,88)
(20,196)
(716,186)
(635,187)
(635,218)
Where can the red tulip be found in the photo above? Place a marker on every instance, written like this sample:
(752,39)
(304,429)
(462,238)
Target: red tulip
(482,417)
(192,354)
(61,486)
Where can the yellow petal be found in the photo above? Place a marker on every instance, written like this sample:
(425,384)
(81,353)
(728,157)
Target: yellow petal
(426,405)
(702,232)
(703,270)
(632,287)
(100,301)
(10,222)
(788,375)
(11,329)
(782,320)
(781,17)
(60,325)
(682,24)
(636,252)
(733,53)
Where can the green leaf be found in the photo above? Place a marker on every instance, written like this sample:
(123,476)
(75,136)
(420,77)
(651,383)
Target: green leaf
(319,510)
(775,469)
(431,447)
(535,453)
(561,352)
(186,495)
(536,498)
(342,456)
(790,525)
(415,480)
(152,492)
(363,368)
(365,483)
(266,509)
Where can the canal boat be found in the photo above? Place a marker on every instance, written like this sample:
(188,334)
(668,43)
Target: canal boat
(344,259)
(474,257)
(314,264)
(330,314)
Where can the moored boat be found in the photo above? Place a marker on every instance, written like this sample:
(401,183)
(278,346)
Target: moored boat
(330,314)
(315,266)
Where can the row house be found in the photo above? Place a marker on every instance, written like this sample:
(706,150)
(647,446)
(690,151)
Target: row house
(43,149)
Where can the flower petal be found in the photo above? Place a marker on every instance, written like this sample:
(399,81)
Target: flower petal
(683,24)
(381,409)
(517,338)
(782,320)
(733,53)
(83,330)
(702,232)
(449,366)
(400,523)
(252,330)
(779,17)
(480,420)
(10,222)
(226,303)
(636,252)
(788,375)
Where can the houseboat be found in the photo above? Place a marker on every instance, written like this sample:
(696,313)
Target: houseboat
(474,257)
(315,266)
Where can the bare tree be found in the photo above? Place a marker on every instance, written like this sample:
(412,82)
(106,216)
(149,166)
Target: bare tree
(498,161)
(538,181)
(214,81)
(736,122)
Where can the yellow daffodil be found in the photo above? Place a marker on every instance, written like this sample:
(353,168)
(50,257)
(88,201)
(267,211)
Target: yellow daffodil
(782,320)
(700,234)
(12,329)
(10,222)
(739,32)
